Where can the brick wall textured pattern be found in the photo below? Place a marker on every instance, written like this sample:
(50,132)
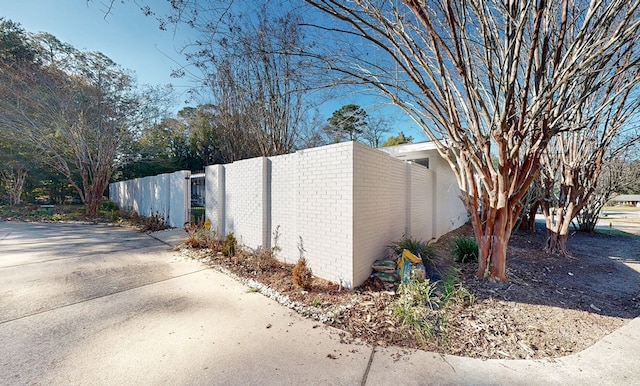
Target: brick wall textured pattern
(339,205)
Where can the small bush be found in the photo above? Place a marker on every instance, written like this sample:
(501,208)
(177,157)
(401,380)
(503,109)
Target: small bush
(151,224)
(434,266)
(263,260)
(424,305)
(302,274)
(108,206)
(115,216)
(464,249)
(415,246)
(199,235)
(230,245)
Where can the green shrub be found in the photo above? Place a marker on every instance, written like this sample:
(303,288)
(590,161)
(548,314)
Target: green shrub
(464,249)
(418,248)
(108,206)
(230,245)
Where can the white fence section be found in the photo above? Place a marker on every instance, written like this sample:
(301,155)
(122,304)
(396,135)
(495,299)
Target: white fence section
(340,205)
(165,195)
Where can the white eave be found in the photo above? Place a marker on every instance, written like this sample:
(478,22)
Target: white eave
(412,151)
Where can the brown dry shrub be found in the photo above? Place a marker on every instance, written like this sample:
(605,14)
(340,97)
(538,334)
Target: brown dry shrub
(302,274)
(264,260)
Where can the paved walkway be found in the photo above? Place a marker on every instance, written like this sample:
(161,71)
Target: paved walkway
(87,304)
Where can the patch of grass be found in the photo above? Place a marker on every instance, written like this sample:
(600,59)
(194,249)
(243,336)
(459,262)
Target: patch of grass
(415,306)
(424,305)
(453,292)
(33,212)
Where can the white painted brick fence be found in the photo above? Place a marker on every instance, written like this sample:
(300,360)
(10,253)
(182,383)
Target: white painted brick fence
(342,204)
(165,195)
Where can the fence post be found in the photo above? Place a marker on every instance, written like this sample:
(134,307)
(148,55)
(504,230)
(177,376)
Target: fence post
(407,190)
(215,196)
(435,212)
(266,203)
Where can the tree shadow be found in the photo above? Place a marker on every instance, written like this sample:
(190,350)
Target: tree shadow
(601,276)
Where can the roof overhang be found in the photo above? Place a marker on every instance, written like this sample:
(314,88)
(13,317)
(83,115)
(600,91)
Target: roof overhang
(412,151)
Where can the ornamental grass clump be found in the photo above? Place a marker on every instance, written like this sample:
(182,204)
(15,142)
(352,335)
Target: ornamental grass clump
(464,249)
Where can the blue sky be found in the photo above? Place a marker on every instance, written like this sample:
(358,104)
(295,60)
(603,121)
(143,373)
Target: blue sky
(128,37)
(135,41)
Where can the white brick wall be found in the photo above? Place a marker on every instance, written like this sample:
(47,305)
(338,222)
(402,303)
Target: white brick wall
(399,205)
(165,195)
(325,210)
(391,198)
(244,201)
(421,213)
(450,212)
(284,207)
(345,202)
(373,216)
(146,200)
(179,198)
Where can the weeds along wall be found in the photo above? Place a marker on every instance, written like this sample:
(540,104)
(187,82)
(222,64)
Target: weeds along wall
(165,195)
(338,205)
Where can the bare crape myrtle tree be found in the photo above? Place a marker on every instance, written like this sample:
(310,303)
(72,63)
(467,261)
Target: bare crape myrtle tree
(492,83)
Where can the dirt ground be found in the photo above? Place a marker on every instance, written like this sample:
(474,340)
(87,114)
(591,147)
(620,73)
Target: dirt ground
(552,306)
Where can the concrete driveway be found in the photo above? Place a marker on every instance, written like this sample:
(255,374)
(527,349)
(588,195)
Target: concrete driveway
(88,304)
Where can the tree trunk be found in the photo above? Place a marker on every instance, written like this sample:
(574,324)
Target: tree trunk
(93,193)
(557,242)
(558,225)
(528,223)
(91,204)
(492,243)
(14,181)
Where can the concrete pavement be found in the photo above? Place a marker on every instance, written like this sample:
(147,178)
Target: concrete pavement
(91,304)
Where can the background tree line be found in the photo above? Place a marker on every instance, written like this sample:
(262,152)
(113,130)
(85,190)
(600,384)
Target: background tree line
(74,120)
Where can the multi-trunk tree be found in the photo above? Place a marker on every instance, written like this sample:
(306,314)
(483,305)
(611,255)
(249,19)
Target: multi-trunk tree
(71,107)
(602,106)
(252,71)
(487,79)
(618,176)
